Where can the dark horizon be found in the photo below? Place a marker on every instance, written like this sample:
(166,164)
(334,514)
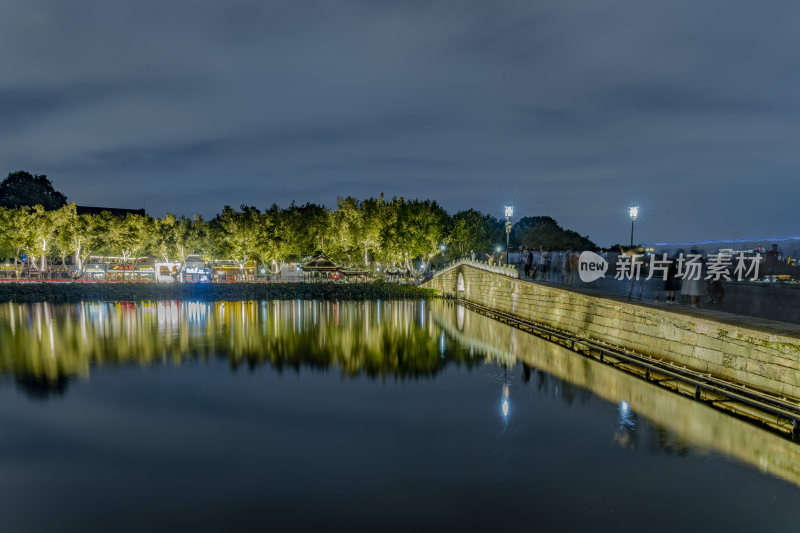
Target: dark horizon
(573,112)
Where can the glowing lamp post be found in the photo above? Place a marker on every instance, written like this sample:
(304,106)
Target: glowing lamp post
(633,211)
(509,212)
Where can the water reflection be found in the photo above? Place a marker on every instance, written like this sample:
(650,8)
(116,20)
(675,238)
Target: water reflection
(43,345)
(677,425)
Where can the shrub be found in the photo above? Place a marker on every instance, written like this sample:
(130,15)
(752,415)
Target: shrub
(77,292)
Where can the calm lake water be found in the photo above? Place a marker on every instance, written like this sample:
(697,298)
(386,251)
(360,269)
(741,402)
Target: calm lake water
(296,415)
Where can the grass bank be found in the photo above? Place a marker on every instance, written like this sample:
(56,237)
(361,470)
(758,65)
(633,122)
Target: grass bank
(94,292)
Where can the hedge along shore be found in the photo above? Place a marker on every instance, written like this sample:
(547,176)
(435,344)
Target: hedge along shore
(95,292)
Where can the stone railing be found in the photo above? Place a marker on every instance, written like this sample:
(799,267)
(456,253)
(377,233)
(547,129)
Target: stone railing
(510,271)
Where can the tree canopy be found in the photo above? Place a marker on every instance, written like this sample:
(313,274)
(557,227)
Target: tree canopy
(544,232)
(25,189)
(398,233)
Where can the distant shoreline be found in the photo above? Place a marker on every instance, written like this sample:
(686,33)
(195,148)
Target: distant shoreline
(93,292)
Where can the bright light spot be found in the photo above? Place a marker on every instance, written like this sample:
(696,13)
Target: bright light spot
(633,211)
(505,408)
(509,210)
(624,407)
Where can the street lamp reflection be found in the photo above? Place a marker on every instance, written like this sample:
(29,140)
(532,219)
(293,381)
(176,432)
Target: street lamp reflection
(504,405)
(625,435)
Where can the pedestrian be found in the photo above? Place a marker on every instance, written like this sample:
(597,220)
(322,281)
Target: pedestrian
(573,266)
(716,291)
(544,263)
(566,268)
(693,287)
(529,263)
(672,284)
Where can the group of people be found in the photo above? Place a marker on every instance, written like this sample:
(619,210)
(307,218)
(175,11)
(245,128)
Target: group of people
(538,265)
(694,288)
(544,265)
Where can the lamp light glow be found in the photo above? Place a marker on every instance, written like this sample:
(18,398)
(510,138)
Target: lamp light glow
(633,211)
(509,210)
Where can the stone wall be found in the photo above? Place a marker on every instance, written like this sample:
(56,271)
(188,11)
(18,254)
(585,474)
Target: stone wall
(764,357)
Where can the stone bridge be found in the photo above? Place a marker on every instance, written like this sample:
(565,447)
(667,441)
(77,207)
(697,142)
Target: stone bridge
(759,354)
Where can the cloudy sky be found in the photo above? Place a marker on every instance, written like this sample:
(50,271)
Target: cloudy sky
(572,109)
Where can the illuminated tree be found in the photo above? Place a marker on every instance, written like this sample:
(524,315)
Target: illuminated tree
(274,241)
(175,239)
(129,238)
(308,226)
(473,231)
(42,227)
(16,236)
(415,229)
(236,234)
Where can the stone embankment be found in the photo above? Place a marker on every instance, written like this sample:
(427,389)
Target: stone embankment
(760,354)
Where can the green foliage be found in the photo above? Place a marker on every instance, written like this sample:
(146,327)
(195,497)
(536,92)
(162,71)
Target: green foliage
(399,233)
(236,233)
(25,189)
(474,231)
(544,232)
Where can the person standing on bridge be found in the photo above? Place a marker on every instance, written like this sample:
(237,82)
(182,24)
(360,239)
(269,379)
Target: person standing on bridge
(566,274)
(529,263)
(693,284)
(544,263)
(573,266)
(672,284)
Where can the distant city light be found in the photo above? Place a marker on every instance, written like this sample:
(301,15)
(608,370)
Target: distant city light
(783,238)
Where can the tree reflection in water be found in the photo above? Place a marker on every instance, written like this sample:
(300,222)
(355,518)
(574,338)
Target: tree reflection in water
(43,345)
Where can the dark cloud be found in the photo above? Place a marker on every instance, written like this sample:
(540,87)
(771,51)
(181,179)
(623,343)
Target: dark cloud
(570,109)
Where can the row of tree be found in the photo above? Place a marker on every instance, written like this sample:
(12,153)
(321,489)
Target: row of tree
(397,232)
(39,229)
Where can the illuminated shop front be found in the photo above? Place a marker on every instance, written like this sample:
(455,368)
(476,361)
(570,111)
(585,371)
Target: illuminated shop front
(230,271)
(196,274)
(167,272)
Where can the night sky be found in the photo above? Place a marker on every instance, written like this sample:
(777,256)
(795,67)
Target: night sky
(572,109)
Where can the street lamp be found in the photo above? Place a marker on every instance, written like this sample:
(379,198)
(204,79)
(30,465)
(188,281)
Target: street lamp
(633,211)
(509,212)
